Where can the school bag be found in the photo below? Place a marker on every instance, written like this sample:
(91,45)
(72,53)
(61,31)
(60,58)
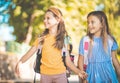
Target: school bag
(38,62)
(86,45)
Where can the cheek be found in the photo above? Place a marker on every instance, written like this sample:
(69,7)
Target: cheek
(99,26)
(54,21)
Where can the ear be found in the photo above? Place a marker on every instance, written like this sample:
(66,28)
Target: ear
(102,26)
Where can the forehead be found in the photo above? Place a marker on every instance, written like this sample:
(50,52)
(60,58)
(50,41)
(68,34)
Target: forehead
(92,17)
(48,13)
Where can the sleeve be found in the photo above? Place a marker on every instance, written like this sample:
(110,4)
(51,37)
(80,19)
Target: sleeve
(81,48)
(36,43)
(114,46)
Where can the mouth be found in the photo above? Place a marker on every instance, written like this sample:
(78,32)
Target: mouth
(91,30)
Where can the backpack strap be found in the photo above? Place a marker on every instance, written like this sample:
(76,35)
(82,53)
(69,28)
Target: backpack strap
(67,41)
(37,62)
(86,43)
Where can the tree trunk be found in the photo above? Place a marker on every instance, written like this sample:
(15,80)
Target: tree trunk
(30,29)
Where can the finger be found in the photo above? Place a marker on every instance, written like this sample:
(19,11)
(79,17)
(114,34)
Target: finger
(85,74)
(41,38)
(17,70)
(81,76)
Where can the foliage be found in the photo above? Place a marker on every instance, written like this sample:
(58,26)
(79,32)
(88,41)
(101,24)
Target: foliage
(112,9)
(27,17)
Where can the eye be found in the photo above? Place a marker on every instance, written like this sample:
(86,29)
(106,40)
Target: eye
(92,22)
(48,18)
(87,22)
(44,18)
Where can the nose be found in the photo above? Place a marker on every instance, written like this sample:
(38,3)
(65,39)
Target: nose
(89,24)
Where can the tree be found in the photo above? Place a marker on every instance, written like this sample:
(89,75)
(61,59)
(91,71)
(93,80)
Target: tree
(27,17)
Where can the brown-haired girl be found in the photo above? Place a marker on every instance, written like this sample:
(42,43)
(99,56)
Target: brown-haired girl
(101,48)
(52,68)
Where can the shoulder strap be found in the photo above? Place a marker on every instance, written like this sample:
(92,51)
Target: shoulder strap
(39,49)
(86,41)
(66,43)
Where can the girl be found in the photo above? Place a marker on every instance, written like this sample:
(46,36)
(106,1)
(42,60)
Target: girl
(52,41)
(101,47)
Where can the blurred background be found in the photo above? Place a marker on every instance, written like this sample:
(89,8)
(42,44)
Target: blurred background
(21,21)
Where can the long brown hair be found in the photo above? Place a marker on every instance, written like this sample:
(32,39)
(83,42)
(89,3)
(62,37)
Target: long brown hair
(61,31)
(105,30)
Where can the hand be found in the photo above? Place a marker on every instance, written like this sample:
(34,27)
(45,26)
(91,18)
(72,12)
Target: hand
(68,73)
(41,39)
(17,68)
(83,75)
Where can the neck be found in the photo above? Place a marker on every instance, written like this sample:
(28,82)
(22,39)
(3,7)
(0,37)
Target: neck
(53,31)
(97,34)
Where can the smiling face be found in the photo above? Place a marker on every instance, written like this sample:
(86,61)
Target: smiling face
(50,20)
(94,25)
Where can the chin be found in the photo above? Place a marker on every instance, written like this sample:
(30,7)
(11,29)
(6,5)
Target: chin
(47,27)
(91,33)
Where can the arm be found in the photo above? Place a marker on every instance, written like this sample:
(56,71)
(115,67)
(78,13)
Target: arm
(81,54)
(30,52)
(80,66)
(71,65)
(116,63)
(80,62)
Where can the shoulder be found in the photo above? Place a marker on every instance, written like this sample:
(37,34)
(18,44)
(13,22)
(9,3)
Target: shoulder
(112,43)
(85,38)
(36,42)
(111,39)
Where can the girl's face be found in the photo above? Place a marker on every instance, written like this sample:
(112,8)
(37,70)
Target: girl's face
(94,25)
(50,20)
